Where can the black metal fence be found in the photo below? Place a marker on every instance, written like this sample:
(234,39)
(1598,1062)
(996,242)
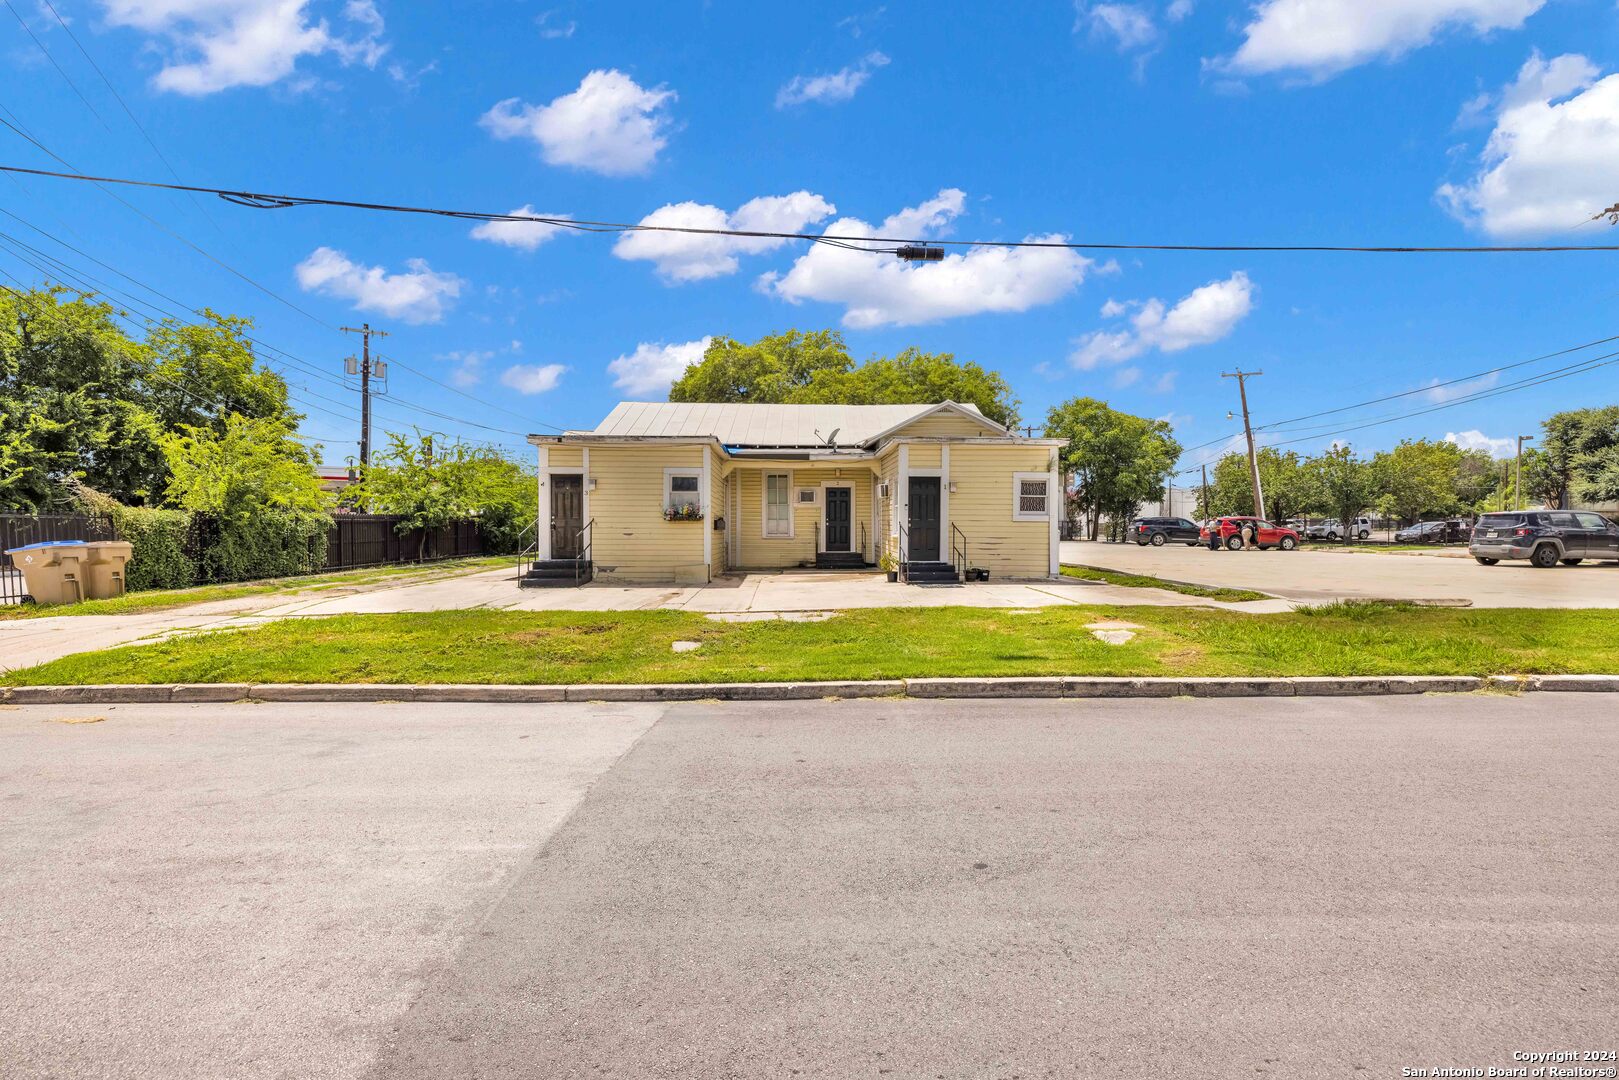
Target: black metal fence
(20,530)
(375,540)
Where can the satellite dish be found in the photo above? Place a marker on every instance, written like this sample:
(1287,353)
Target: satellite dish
(832,439)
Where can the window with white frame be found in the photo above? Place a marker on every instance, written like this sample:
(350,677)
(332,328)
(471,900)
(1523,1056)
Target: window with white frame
(682,487)
(1031,496)
(778,504)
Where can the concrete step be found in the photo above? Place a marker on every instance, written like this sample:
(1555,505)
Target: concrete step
(568,582)
(839,560)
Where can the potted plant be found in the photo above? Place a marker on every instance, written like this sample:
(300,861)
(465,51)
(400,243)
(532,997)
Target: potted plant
(890,565)
(683,512)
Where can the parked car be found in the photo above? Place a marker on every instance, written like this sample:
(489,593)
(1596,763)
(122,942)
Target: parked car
(1333,529)
(1544,537)
(1433,532)
(1267,535)
(1159,531)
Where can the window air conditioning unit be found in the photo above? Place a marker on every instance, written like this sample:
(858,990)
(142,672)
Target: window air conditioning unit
(807,496)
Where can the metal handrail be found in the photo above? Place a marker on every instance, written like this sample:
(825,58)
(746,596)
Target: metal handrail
(955,532)
(585,537)
(904,555)
(522,552)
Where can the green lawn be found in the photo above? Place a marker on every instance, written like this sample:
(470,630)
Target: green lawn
(634,646)
(160,599)
(1143,581)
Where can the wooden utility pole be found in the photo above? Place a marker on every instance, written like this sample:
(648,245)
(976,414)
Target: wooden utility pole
(365,371)
(1206,514)
(1242,378)
(1517,477)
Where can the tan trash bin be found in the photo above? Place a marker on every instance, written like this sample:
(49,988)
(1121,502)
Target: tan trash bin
(104,575)
(52,572)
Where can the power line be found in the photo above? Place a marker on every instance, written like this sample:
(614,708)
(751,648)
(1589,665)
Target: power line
(47,54)
(267,201)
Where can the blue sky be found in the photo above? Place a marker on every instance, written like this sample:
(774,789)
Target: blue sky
(1289,121)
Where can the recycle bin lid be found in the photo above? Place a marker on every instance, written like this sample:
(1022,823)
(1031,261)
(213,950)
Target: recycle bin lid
(50,543)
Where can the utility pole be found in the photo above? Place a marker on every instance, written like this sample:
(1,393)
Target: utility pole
(1242,378)
(1517,476)
(1206,515)
(366,369)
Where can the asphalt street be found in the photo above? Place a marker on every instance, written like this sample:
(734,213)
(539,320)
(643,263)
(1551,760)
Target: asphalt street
(1298,888)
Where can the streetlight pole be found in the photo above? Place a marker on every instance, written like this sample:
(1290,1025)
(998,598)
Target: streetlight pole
(1517,478)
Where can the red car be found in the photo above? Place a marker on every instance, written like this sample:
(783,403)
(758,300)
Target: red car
(1266,535)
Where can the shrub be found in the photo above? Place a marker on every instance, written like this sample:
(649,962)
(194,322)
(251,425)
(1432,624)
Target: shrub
(159,538)
(264,545)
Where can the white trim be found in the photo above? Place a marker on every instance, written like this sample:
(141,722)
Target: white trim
(846,485)
(940,407)
(542,500)
(871,556)
(1017,496)
(1057,507)
(699,471)
(707,503)
(584,493)
(764,506)
(902,504)
(944,502)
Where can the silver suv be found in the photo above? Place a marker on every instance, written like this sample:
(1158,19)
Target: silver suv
(1544,537)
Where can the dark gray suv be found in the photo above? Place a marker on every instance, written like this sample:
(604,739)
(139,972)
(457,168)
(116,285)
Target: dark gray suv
(1544,537)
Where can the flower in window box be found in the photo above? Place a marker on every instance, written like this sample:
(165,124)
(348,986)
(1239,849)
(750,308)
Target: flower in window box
(683,512)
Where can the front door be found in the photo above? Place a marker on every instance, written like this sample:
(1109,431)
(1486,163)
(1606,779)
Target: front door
(839,519)
(924,524)
(567,516)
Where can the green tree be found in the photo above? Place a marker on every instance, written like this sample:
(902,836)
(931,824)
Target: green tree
(1289,487)
(1115,461)
(248,468)
(1581,455)
(816,369)
(769,370)
(80,398)
(1346,484)
(1477,474)
(429,482)
(1417,479)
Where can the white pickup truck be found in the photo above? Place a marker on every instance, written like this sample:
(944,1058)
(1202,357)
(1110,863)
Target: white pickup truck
(1360,529)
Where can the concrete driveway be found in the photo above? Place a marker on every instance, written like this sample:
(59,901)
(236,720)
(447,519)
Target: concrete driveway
(818,889)
(1321,576)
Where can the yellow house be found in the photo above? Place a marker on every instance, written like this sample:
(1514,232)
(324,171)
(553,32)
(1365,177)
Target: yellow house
(665,492)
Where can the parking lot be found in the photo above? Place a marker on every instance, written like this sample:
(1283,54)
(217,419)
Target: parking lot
(1320,576)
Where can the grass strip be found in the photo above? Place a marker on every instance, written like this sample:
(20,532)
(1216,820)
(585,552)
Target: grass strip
(162,599)
(483,646)
(1144,581)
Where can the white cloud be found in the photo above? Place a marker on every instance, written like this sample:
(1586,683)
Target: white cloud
(609,125)
(421,295)
(1441,394)
(1126,377)
(695,256)
(214,45)
(554,31)
(652,367)
(831,89)
(529,379)
(1552,159)
(1324,37)
(523,235)
(880,290)
(1201,317)
(1130,25)
(1477,440)
(1178,10)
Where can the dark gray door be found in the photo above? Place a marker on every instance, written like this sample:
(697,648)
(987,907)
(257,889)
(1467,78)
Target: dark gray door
(1601,538)
(567,516)
(839,519)
(1568,529)
(924,524)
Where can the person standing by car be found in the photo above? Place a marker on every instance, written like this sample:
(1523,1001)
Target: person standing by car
(1250,536)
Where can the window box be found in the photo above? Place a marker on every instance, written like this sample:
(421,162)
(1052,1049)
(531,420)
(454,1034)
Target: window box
(683,512)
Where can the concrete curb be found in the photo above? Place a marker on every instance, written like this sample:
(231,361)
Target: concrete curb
(1048,687)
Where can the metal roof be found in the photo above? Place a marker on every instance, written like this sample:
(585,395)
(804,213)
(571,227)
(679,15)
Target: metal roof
(764,425)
